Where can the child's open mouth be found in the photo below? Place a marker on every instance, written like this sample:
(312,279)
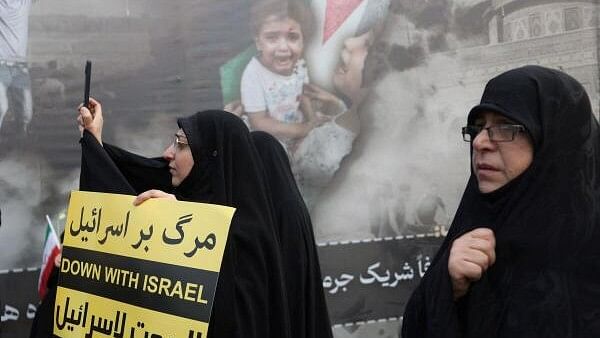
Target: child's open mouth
(284,61)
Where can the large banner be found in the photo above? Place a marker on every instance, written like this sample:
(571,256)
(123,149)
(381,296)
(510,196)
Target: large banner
(373,284)
(19,301)
(376,92)
(153,268)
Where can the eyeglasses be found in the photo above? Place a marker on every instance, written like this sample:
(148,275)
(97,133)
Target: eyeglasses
(178,144)
(497,133)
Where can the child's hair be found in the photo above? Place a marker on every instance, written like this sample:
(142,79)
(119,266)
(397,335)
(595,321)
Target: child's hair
(297,10)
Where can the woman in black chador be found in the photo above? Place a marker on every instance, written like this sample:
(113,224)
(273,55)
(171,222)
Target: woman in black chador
(522,257)
(304,286)
(212,160)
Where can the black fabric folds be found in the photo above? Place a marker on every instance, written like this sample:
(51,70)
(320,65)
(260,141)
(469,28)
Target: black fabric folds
(250,300)
(99,173)
(304,287)
(546,278)
(43,322)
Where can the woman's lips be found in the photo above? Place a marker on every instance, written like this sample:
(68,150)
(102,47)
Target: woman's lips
(484,170)
(483,166)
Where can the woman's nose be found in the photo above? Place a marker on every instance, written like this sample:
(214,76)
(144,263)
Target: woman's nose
(169,153)
(482,140)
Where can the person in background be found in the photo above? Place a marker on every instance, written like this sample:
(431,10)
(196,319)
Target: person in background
(15,83)
(308,310)
(319,155)
(364,60)
(521,258)
(272,83)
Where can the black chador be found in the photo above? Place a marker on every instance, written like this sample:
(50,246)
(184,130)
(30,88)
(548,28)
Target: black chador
(546,278)
(304,286)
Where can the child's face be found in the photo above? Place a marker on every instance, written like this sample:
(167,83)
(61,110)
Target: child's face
(280,43)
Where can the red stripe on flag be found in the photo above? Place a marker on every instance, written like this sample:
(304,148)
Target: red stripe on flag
(336,12)
(47,270)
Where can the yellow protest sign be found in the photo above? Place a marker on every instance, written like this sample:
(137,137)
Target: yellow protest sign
(129,269)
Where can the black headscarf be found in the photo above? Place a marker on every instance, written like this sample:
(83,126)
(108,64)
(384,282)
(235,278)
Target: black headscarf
(546,278)
(250,300)
(304,287)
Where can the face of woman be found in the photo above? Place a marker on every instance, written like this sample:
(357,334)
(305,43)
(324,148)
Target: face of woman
(348,76)
(495,163)
(180,158)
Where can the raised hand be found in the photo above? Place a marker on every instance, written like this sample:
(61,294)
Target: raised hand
(470,256)
(91,119)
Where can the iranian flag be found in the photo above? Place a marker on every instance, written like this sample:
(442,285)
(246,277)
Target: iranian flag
(51,250)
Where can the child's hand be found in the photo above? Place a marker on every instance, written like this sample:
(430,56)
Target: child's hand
(317,121)
(333,104)
(235,107)
(317,93)
(321,118)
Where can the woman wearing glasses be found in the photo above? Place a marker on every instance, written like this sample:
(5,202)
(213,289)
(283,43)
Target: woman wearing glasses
(212,160)
(521,258)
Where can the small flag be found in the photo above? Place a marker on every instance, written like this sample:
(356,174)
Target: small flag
(51,250)
(336,12)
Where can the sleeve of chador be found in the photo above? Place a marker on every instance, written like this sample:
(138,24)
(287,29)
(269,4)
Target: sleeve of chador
(431,311)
